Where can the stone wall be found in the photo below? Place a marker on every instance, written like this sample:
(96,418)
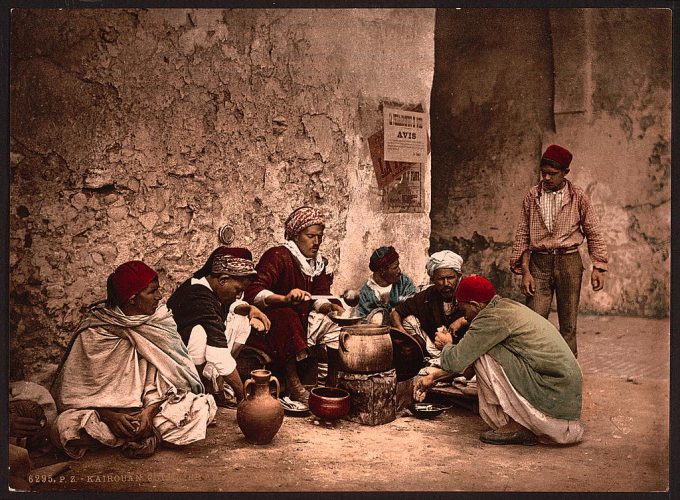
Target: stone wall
(137,134)
(597,81)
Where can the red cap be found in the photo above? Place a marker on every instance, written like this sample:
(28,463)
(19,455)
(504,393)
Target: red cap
(475,288)
(556,156)
(131,278)
(382,257)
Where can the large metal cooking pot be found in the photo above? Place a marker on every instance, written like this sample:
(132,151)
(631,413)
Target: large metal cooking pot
(365,349)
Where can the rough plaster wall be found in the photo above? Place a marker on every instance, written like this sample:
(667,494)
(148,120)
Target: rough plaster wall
(137,134)
(623,143)
(616,121)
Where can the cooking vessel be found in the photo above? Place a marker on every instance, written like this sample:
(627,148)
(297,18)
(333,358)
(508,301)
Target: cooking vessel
(407,357)
(365,349)
(344,320)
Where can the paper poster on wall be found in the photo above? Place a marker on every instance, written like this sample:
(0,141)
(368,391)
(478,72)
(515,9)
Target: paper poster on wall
(406,193)
(405,135)
(385,171)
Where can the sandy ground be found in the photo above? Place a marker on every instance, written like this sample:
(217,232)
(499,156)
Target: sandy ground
(625,448)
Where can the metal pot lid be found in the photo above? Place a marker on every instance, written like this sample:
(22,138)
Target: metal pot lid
(407,354)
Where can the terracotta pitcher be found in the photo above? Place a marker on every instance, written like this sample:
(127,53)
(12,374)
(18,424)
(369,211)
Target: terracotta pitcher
(260,415)
(365,349)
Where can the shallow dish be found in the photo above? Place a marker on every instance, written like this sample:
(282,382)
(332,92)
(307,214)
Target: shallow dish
(427,410)
(295,408)
(344,320)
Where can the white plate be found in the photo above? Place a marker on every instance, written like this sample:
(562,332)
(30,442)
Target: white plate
(292,406)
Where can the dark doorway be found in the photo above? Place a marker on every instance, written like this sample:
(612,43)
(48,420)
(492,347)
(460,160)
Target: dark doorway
(492,100)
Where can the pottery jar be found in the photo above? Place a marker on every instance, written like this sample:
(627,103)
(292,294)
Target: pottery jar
(260,414)
(365,349)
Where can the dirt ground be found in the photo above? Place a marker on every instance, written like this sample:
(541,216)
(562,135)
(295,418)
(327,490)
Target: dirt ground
(625,410)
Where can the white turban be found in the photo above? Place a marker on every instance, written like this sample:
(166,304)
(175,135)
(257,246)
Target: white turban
(446,259)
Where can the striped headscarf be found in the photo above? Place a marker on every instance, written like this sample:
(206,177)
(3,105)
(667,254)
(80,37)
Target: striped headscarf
(232,266)
(300,219)
(231,261)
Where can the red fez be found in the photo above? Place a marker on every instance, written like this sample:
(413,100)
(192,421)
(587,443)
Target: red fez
(475,288)
(131,278)
(382,257)
(557,157)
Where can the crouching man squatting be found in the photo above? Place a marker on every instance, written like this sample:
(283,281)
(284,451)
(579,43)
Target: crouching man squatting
(529,383)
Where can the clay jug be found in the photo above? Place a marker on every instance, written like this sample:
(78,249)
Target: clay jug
(259,415)
(365,349)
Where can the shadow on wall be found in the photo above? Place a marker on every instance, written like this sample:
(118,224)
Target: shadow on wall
(507,83)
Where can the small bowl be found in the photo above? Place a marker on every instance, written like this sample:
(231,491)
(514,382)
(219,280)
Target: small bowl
(427,410)
(329,403)
(345,320)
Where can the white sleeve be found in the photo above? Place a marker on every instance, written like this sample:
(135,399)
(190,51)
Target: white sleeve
(200,352)
(259,300)
(238,302)
(197,343)
(222,359)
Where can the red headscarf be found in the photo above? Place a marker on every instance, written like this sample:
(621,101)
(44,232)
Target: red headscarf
(475,288)
(129,279)
(382,257)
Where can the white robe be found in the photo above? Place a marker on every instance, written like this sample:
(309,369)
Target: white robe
(129,362)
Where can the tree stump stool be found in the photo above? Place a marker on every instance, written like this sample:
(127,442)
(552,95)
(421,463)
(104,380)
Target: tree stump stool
(372,396)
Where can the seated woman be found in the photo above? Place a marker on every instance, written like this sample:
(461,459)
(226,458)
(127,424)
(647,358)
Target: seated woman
(386,288)
(127,380)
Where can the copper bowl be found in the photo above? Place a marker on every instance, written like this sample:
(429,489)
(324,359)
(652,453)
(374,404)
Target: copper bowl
(329,403)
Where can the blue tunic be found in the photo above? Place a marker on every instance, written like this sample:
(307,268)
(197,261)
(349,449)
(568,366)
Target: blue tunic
(401,290)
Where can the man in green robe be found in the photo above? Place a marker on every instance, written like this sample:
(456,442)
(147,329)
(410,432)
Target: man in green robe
(529,382)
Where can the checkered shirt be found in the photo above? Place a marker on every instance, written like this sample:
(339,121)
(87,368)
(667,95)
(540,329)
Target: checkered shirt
(551,202)
(575,220)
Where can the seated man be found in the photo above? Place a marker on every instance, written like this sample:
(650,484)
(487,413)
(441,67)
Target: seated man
(212,320)
(387,287)
(432,315)
(127,379)
(32,413)
(287,277)
(529,382)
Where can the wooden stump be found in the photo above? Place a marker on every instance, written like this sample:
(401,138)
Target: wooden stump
(405,394)
(373,396)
